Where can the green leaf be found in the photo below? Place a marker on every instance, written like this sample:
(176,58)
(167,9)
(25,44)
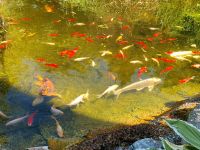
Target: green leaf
(186,131)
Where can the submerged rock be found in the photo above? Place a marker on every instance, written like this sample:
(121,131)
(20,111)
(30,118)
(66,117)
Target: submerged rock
(194,117)
(147,143)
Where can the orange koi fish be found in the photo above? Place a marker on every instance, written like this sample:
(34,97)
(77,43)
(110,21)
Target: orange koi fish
(26,19)
(150,39)
(78,34)
(52,65)
(71,19)
(167,69)
(141,71)
(40,60)
(49,8)
(3,46)
(156,34)
(53,34)
(56,21)
(125,27)
(122,42)
(166,60)
(69,53)
(89,39)
(186,79)
(141,44)
(171,39)
(196,52)
(196,66)
(30,119)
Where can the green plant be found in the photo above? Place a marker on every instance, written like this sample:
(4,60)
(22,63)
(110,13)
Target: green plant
(187,132)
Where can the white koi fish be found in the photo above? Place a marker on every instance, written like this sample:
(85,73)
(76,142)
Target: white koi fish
(79,24)
(4,115)
(93,64)
(49,43)
(127,47)
(149,83)
(136,62)
(59,129)
(38,100)
(154,29)
(108,90)
(103,53)
(81,58)
(193,45)
(55,111)
(79,99)
(155,60)
(15,121)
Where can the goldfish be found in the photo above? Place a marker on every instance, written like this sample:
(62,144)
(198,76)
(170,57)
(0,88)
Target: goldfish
(78,34)
(136,62)
(17,120)
(31,118)
(38,100)
(81,58)
(53,34)
(79,24)
(166,60)
(108,90)
(79,99)
(48,8)
(71,19)
(69,53)
(167,69)
(141,71)
(89,39)
(140,85)
(55,111)
(120,55)
(59,129)
(150,39)
(52,65)
(196,66)
(141,44)
(156,34)
(26,19)
(103,53)
(3,115)
(186,79)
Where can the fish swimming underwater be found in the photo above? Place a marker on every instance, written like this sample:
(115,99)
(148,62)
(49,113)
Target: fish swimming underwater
(149,83)
(38,100)
(59,129)
(79,99)
(108,90)
(17,120)
(55,111)
(3,115)
(31,119)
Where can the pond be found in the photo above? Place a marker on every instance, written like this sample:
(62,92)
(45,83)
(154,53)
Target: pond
(81,52)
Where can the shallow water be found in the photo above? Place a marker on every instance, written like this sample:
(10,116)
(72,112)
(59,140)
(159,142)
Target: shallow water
(29,42)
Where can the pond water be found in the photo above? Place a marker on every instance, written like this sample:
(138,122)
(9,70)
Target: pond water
(40,32)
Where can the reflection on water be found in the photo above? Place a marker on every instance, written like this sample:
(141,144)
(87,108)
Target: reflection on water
(46,41)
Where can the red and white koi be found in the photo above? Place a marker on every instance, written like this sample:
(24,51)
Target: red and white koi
(186,79)
(196,66)
(141,71)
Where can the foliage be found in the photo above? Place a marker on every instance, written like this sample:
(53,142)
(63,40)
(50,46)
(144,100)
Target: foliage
(187,132)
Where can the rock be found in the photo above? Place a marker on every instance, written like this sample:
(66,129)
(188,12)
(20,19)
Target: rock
(39,148)
(147,143)
(194,117)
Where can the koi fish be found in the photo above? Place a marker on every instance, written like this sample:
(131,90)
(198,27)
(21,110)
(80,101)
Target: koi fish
(56,21)
(156,34)
(52,65)
(4,115)
(71,19)
(103,26)
(119,38)
(93,64)
(141,44)
(78,34)
(150,39)
(89,39)
(196,66)
(49,8)
(122,42)
(79,24)
(3,46)
(81,58)
(145,58)
(79,99)
(59,129)
(26,19)
(153,29)
(136,62)
(186,79)
(155,60)
(193,45)
(108,90)
(140,85)
(125,27)
(49,43)
(56,112)
(15,121)
(181,55)
(103,53)
(172,39)
(141,71)
(53,34)
(38,100)
(69,53)
(127,47)
(120,55)
(6,42)
(30,119)
(40,60)
(167,69)
(166,60)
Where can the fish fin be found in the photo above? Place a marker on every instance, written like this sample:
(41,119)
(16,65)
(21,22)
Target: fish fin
(151,88)
(100,96)
(117,93)
(139,89)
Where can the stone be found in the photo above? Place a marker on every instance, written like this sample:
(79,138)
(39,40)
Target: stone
(144,144)
(194,117)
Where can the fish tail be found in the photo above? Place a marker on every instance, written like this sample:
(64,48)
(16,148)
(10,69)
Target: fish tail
(117,93)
